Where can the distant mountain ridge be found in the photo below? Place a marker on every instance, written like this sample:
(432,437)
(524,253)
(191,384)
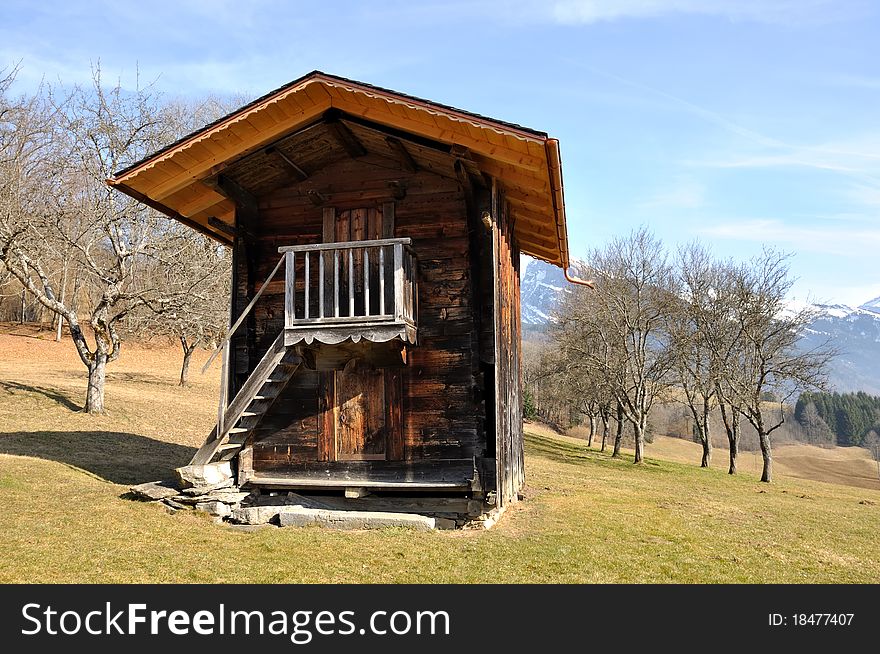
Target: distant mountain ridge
(855,331)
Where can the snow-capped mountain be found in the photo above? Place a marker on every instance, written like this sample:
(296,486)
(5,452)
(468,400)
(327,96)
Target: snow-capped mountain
(854,331)
(541,287)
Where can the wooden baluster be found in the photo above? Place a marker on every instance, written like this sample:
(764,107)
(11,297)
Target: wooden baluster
(336,283)
(307,286)
(290,288)
(351,282)
(381,281)
(398,281)
(366,262)
(320,284)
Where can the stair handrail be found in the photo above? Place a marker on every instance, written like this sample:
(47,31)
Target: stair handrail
(241,318)
(224,347)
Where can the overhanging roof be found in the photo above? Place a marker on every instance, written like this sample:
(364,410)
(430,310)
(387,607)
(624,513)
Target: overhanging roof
(526,163)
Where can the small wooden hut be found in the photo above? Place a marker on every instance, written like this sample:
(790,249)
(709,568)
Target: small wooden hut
(376,241)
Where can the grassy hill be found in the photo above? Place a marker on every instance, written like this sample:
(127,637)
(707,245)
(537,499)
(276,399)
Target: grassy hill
(585,518)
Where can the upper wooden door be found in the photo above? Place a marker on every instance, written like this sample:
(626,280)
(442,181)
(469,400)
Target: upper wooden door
(363,419)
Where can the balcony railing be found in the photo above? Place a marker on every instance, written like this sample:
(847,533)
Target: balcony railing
(354,289)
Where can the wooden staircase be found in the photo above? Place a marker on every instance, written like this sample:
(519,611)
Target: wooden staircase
(251,403)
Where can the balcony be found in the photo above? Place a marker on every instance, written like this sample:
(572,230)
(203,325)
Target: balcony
(354,290)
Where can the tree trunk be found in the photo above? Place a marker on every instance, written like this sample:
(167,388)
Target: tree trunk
(734,446)
(703,434)
(187,355)
(63,297)
(97,377)
(604,431)
(592,431)
(618,437)
(731,426)
(764,440)
(639,433)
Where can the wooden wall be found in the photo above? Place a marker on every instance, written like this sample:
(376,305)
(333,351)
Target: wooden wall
(508,384)
(442,404)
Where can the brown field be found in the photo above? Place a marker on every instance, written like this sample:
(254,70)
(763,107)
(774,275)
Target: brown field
(848,466)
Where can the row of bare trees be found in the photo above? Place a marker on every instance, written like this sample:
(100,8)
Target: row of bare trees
(715,336)
(104,264)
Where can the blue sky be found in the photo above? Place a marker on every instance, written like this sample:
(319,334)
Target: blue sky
(739,122)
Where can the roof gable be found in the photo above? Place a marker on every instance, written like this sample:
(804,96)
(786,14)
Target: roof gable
(525,162)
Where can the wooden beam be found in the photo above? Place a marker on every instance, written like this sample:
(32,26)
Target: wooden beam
(222,226)
(289,164)
(403,156)
(171,213)
(250,143)
(343,135)
(243,199)
(208,198)
(500,153)
(317,198)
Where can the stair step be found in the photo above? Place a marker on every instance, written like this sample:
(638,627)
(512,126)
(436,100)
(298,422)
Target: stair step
(238,430)
(276,380)
(229,446)
(264,397)
(250,414)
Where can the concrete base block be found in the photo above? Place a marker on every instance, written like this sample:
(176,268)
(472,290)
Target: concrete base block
(297,516)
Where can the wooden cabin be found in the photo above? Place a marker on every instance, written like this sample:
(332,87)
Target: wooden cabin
(376,241)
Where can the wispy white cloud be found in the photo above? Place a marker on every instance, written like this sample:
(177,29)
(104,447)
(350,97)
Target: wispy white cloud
(837,239)
(764,11)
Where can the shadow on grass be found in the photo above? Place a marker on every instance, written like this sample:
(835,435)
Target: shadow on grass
(564,452)
(114,377)
(115,456)
(50,393)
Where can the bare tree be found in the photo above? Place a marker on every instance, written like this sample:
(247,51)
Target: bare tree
(767,358)
(56,197)
(619,328)
(197,281)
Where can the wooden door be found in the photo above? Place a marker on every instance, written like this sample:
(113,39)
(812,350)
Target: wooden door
(362,405)
(360,413)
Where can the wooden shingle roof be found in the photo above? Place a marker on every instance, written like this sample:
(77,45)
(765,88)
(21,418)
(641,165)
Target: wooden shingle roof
(525,162)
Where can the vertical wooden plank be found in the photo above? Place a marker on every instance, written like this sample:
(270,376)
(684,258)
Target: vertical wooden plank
(396,446)
(329,224)
(327,417)
(289,288)
(388,220)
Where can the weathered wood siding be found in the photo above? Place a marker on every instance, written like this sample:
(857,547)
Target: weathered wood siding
(439,405)
(508,386)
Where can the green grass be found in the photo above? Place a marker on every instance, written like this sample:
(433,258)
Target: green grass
(586,518)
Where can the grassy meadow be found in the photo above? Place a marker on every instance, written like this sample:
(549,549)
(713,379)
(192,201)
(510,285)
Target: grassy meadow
(585,517)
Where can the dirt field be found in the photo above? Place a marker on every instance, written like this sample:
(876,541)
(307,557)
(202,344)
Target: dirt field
(849,466)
